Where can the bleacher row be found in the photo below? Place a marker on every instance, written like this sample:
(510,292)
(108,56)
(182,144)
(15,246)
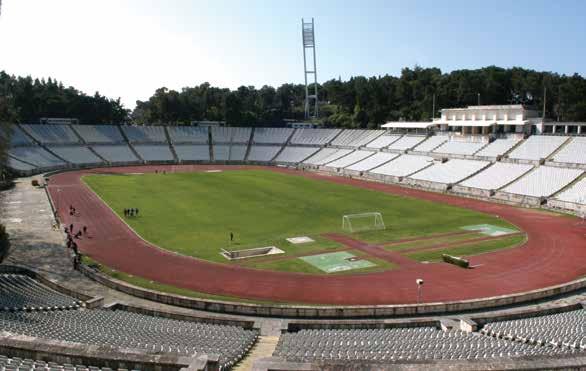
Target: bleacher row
(513,169)
(34,310)
(547,335)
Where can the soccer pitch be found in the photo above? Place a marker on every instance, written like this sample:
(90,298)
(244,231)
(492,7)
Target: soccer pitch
(194,213)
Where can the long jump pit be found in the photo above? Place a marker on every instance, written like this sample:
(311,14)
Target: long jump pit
(533,267)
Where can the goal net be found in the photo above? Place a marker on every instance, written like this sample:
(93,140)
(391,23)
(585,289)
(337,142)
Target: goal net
(362,222)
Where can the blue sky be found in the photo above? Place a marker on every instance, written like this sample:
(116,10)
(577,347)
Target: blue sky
(129,48)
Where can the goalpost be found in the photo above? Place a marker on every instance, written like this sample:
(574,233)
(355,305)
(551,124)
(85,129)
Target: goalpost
(363,222)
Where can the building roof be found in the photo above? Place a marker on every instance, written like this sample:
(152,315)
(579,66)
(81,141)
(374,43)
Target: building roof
(408,125)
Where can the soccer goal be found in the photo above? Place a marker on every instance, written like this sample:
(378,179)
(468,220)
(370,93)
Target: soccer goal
(363,222)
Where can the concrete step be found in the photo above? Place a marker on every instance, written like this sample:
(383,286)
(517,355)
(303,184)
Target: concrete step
(264,347)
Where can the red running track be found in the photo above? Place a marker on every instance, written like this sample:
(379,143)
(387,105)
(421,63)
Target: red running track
(554,254)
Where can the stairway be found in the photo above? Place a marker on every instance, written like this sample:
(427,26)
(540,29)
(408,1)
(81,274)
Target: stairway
(264,347)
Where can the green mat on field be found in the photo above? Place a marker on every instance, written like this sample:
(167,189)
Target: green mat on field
(337,262)
(489,230)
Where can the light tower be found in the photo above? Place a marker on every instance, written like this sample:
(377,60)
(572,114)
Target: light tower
(308,38)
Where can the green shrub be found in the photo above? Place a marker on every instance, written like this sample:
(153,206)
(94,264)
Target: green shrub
(456,261)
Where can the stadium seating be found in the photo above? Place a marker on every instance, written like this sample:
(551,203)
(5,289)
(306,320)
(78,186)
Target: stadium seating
(431,143)
(19,165)
(116,153)
(19,138)
(188,134)
(406,142)
(399,344)
(573,152)
(36,156)
(559,330)
(497,176)
(52,134)
(404,165)
(229,153)
(450,172)
(537,147)
(19,364)
(294,154)
(498,148)
(21,292)
(271,135)
(99,134)
(226,134)
(154,152)
(76,154)
(314,137)
(356,138)
(145,134)
(373,161)
(326,155)
(456,147)
(263,153)
(187,152)
(576,193)
(114,328)
(383,141)
(350,159)
(543,181)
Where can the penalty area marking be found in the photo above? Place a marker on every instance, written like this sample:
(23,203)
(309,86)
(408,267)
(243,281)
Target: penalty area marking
(213,171)
(299,240)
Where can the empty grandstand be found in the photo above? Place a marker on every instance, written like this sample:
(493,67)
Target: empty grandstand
(154,152)
(536,148)
(383,141)
(373,161)
(356,138)
(224,134)
(99,134)
(115,329)
(233,152)
(326,155)
(350,159)
(399,344)
(459,147)
(572,153)
(406,142)
(431,143)
(263,153)
(21,292)
(544,181)
(314,137)
(404,165)
(36,156)
(145,134)
(52,134)
(295,154)
(188,134)
(272,135)
(450,172)
(19,138)
(80,155)
(497,176)
(187,152)
(498,148)
(116,153)
(576,193)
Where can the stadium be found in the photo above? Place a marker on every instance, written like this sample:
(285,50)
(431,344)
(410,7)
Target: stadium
(373,224)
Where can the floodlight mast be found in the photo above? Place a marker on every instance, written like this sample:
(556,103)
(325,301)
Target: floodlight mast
(308,40)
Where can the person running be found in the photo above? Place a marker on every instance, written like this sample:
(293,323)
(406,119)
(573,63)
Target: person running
(84,230)
(71,228)
(136,211)
(231,237)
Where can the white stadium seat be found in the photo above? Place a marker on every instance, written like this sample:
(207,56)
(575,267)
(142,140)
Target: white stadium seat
(350,159)
(94,134)
(316,137)
(404,165)
(116,153)
(263,153)
(537,147)
(573,152)
(406,142)
(543,181)
(192,152)
(450,172)
(294,154)
(497,176)
(373,161)
(431,143)
(154,152)
(498,148)
(383,141)
(326,155)
(271,135)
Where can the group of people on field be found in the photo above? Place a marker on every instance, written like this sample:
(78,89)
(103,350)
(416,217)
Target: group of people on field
(131,212)
(72,235)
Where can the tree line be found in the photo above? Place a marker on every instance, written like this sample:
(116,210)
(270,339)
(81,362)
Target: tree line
(359,102)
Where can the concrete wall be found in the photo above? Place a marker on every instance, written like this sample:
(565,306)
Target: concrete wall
(476,192)
(519,199)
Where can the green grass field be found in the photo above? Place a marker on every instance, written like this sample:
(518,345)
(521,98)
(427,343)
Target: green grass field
(194,213)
